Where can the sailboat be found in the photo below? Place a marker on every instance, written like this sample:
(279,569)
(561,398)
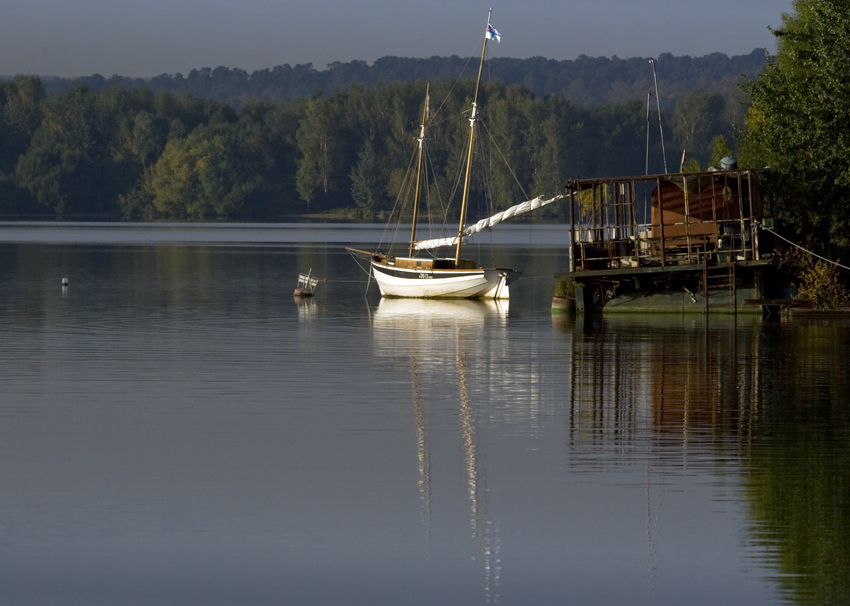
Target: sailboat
(448,277)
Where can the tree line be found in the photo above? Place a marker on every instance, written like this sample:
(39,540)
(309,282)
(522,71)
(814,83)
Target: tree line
(584,81)
(140,154)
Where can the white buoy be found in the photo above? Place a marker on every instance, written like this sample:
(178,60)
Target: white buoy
(64,281)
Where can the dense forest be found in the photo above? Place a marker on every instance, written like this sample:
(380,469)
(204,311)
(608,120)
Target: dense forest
(138,153)
(584,82)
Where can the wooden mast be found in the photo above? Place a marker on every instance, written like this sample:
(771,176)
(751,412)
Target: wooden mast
(421,140)
(472,119)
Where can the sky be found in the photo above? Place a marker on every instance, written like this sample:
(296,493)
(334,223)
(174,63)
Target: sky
(146,38)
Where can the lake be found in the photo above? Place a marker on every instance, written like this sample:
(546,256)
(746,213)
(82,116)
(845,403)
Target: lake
(176,428)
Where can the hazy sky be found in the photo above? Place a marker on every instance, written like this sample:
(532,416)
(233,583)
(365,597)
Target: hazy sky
(151,37)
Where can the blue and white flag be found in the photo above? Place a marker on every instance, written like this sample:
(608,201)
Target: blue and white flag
(492,34)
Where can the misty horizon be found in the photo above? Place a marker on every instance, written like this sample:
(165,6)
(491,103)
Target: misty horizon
(154,37)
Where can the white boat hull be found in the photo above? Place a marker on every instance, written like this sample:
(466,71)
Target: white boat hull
(443,283)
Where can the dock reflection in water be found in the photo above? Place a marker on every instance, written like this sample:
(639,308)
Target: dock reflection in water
(680,377)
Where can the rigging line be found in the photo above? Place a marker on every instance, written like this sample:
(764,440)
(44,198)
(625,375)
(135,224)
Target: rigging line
(505,160)
(427,185)
(368,284)
(658,104)
(427,182)
(761,226)
(458,180)
(432,124)
(448,94)
(483,164)
(406,183)
(485,160)
(454,85)
(648,105)
(430,167)
(486,199)
(395,208)
(357,261)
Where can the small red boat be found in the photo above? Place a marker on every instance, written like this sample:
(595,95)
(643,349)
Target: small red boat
(306,285)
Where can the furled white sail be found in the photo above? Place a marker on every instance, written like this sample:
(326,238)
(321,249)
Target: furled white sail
(483,224)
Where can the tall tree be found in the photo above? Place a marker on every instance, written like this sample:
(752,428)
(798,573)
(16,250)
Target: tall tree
(555,160)
(799,124)
(321,170)
(509,120)
(698,118)
(368,181)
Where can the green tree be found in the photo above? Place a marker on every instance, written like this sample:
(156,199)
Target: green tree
(321,169)
(557,157)
(691,165)
(509,126)
(265,138)
(698,118)
(66,167)
(368,180)
(798,124)
(798,468)
(145,140)
(719,149)
(613,140)
(21,113)
(199,177)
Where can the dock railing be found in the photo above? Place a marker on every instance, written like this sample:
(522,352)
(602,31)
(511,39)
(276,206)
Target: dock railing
(661,220)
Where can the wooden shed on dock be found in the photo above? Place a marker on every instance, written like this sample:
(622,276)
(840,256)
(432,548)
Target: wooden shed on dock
(686,241)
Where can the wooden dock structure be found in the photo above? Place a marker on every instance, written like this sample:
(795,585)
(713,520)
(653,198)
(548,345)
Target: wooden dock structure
(685,241)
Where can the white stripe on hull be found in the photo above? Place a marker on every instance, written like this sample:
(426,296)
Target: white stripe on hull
(445,284)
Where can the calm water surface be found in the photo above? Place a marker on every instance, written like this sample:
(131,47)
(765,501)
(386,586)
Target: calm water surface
(176,429)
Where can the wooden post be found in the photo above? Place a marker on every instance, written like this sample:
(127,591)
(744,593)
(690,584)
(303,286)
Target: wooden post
(714,215)
(661,219)
(636,227)
(741,213)
(572,230)
(687,217)
(754,232)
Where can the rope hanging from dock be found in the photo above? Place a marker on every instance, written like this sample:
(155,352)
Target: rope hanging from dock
(761,226)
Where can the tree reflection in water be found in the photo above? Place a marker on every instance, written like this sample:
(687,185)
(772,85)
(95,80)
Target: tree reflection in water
(771,395)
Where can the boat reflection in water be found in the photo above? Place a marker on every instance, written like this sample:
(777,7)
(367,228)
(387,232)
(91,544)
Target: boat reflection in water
(306,306)
(441,314)
(442,339)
